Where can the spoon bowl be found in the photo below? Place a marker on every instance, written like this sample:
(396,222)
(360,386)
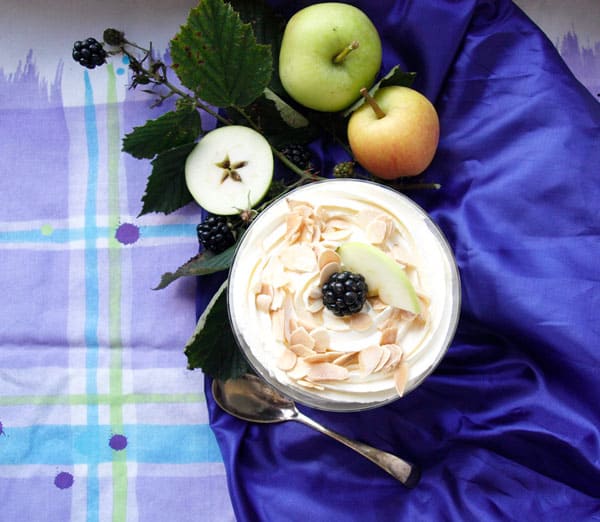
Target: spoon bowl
(251,399)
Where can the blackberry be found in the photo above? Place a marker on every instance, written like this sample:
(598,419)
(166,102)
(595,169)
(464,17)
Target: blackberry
(214,234)
(343,170)
(345,293)
(89,53)
(299,155)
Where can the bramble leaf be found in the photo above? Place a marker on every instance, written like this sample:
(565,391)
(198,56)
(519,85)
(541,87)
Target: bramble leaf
(216,55)
(202,264)
(172,129)
(212,347)
(166,190)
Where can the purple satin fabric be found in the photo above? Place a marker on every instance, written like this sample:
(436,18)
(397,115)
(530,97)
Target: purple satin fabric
(507,427)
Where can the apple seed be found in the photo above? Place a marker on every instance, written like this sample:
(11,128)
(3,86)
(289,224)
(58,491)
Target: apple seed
(230,170)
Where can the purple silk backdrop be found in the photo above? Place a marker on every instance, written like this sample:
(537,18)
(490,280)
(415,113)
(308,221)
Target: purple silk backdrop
(507,427)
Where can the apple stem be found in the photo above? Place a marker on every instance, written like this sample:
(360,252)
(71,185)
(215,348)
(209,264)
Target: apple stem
(371,101)
(341,56)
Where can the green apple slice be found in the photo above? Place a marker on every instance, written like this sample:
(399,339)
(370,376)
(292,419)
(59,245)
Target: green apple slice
(382,274)
(229,170)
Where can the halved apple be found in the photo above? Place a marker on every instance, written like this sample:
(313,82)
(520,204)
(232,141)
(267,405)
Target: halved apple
(383,275)
(229,170)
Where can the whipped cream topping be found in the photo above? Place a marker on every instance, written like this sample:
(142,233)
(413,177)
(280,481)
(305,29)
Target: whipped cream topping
(299,345)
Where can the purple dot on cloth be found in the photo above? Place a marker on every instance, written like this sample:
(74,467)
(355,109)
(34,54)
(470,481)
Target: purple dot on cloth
(118,442)
(127,233)
(63,480)
(2,429)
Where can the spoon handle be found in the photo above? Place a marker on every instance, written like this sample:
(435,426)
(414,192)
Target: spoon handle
(407,473)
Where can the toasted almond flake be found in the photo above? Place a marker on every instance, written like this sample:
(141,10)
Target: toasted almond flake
(396,356)
(301,350)
(309,326)
(388,335)
(301,336)
(401,255)
(296,204)
(360,322)
(346,359)
(327,271)
(368,359)
(377,304)
(321,357)
(401,378)
(336,235)
(326,372)
(385,357)
(287,360)
(299,258)
(293,222)
(376,231)
(321,337)
(263,302)
(278,298)
(267,289)
(299,371)
(364,217)
(328,256)
(311,385)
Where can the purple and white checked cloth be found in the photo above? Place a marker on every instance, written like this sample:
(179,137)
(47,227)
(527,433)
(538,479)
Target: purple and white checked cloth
(99,418)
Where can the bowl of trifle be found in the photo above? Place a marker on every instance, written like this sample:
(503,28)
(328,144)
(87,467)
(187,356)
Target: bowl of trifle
(344,295)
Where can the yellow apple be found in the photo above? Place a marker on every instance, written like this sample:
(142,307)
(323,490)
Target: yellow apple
(395,133)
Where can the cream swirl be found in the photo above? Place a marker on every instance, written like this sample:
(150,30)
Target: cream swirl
(295,342)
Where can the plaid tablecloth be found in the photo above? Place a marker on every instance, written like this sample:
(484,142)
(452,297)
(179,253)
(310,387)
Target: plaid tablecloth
(99,419)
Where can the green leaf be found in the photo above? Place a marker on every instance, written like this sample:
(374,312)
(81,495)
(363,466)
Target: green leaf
(277,121)
(172,129)
(212,347)
(166,190)
(216,55)
(268,28)
(202,264)
(396,76)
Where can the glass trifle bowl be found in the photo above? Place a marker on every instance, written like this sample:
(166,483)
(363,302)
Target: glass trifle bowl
(303,347)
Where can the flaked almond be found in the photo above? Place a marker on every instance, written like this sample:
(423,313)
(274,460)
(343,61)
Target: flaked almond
(293,222)
(326,372)
(327,271)
(301,336)
(310,385)
(346,359)
(267,289)
(287,360)
(368,359)
(321,357)
(299,371)
(263,302)
(278,298)
(328,256)
(298,258)
(389,335)
(376,231)
(396,356)
(336,234)
(401,378)
(335,323)
(360,322)
(301,350)
(321,337)
(385,357)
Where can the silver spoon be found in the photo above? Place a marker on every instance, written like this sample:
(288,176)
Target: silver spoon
(251,399)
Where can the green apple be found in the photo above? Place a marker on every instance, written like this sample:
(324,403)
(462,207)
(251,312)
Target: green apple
(383,275)
(395,133)
(229,170)
(328,53)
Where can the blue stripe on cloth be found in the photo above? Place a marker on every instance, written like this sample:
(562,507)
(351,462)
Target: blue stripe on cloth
(71,445)
(91,286)
(65,235)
